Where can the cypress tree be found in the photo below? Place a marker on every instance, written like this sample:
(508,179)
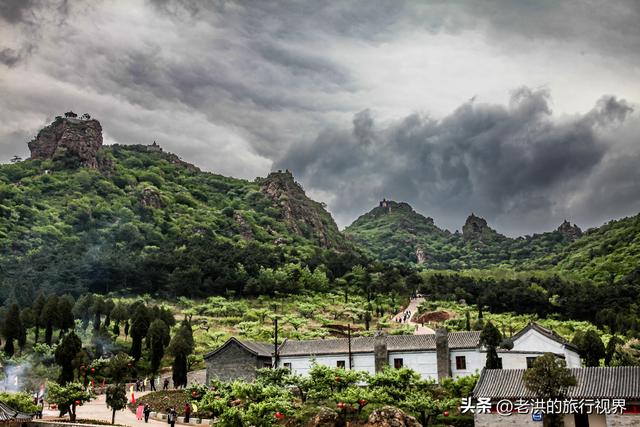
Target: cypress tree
(49,318)
(139,328)
(37,307)
(158,338)
(65,355)
(11,329)
(181,347)
(491,338)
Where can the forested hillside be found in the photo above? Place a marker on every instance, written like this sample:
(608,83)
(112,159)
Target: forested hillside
(135,219)
(395,232)
(604,254)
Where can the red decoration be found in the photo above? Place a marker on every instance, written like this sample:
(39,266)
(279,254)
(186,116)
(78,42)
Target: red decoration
(279,415)
(338,379)
(129,365)
(362,402)
(93,370)
(194,394)
(340,405)
(446,413)
(77,402)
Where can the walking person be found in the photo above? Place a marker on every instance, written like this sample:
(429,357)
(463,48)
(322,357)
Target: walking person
(187,412)
(165,385)
(152,383)
(144,384)
(146,411)
(171,417)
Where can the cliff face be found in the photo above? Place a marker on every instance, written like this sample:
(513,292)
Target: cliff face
(302,215)
(70,137)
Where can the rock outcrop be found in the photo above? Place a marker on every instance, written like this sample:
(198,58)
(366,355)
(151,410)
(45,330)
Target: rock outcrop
(569,231)
(476,228)
(70,137)
(389,416)
(302,215)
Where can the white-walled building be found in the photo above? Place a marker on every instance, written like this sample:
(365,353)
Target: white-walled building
(433,356)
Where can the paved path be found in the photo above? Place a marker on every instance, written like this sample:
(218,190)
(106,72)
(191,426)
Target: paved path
(97,410)
(414,303)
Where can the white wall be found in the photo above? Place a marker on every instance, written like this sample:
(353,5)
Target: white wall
(475,362)
(302,364)
(423,363)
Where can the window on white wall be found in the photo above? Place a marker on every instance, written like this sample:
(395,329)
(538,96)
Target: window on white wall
(530,361)
(287,365)
(461,363)
(340,364)
(398,363)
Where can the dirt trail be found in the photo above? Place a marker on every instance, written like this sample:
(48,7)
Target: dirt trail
(413,308)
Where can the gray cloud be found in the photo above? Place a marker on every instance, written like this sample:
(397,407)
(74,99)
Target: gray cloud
(518,165)
(243,87)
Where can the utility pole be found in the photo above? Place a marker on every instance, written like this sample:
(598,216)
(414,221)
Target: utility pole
(349,342)
(275,342)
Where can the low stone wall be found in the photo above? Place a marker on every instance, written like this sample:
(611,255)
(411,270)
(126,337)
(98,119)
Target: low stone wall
(159,416)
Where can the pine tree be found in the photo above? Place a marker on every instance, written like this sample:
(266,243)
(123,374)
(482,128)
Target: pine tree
(26,317)
(590,347)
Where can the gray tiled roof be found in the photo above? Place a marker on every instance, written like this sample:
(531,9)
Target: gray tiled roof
(457,340)
(611,382)
(255,347)
(8,414)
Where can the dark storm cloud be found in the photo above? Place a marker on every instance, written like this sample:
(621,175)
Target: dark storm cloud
(508,163)
(236,86)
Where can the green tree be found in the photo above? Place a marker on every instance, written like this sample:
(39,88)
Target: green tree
(139,329)
(490,338)
(549,379)
(68,397)
(49,318)
(82,309)
(590,347)
(98,309)
(28,322)
(180,347)
(158,338)
(611,348)
(12,328)
(116,399)
(65,308)
(65,356)
(38,306)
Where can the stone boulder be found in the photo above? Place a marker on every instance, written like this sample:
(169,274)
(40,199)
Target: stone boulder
(389,416)
(69,137)
(325,418)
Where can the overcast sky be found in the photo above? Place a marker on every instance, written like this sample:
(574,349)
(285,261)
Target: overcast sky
(523,112)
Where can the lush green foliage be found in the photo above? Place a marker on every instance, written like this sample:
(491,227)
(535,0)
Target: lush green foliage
(155,224)
(22,402)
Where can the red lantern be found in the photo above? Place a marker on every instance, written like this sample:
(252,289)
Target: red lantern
(338,379)
(77,402)
(194,394)
(446,413)
(362,402)
(93,370)
(340,405)
(279,415)
(129,365)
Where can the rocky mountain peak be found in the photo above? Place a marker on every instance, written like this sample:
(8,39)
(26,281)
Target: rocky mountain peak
(569,231)
(69,136)
(476,228)
(302,215)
